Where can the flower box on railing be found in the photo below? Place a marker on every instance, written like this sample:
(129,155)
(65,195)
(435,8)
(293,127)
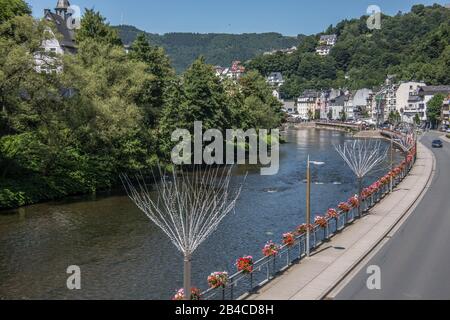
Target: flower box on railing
(252,270)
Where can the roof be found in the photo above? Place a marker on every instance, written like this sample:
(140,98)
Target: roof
(68,41)
(310,94)
(431,90)
(276,76)
(414,99)
(62,4)
(289,104)
(339,101)
(328,37)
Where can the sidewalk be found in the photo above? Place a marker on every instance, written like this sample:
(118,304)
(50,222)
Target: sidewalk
(314,277)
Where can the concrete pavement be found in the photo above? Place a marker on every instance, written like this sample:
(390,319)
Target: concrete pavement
(415,261)
(315,277)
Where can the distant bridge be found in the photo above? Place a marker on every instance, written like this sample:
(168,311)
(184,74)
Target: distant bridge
(338,125)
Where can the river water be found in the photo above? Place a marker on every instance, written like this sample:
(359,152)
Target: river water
(122,255)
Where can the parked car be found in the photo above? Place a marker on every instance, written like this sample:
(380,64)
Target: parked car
(437,144)
(448,130)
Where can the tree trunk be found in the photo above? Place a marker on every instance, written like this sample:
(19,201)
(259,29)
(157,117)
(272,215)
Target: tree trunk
(359,197)
(187,277)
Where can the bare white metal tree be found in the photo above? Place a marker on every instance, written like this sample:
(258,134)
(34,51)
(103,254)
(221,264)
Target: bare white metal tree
(189,206)
(362,156)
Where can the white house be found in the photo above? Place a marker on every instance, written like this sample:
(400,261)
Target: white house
(337,106)
(348,107)
(275,79)
(406,102)
(385,100)
(61,18)
(307,103)
(289,107)
(426,93)
(361,100)
(276,94)
(326,43)
(323,50)
(328,40)
(46,60)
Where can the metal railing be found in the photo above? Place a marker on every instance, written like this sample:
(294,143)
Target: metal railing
(241,285)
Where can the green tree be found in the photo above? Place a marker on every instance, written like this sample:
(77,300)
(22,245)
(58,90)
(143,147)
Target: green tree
(317,115)
(94,26)
(12,8)
(343,116)
(417,119)
(394,117)
(151,100)
(262,109)
(434,108)
(330,114)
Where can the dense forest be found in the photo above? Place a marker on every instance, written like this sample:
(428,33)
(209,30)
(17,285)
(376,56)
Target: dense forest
(413,46)
(218,49)
(102,111)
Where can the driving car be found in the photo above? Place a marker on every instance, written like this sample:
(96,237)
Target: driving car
(437,144)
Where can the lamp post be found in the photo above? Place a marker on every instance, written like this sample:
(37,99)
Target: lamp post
(308,201)
(392,159)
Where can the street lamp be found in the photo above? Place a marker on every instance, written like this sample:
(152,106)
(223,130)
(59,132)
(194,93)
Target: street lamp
(308,201)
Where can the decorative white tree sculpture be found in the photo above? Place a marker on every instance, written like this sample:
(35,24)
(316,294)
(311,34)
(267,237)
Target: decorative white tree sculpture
(362,156)
(188,208)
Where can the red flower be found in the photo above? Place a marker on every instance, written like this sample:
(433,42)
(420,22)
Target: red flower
(332,214)
(344,206)
(245,264)
(321,221)
(270,249)
(303,228)
(289,239)
(354,202)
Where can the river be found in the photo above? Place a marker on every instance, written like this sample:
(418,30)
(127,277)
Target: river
(122,255)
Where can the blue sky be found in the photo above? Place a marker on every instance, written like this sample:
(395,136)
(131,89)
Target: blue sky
(289,17)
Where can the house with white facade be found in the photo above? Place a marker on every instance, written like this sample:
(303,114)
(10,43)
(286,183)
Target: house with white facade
(328,40)
(235,72)
(307,104)
(384,100)
(426,93)
(326,43)
(289,106)
(61,19)
(445,114)
(56,44)
(337,106)
(282,51)
(275,79)
(323,50)
(361,101)
(408,103)
(348,106)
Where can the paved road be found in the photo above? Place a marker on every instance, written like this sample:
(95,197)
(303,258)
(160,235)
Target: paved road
(415,262)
